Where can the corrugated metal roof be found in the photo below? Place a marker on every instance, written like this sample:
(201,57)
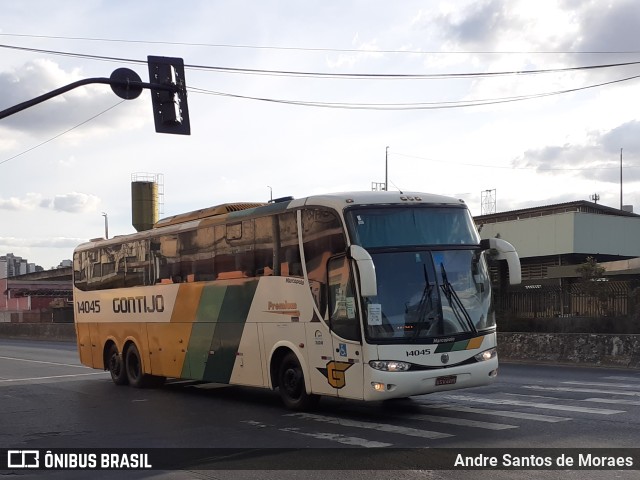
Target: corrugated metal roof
(554,209)
(206,212)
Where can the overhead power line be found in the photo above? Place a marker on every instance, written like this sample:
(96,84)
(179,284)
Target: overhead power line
(327,49)
(425,76)
(506,167)
(357,76)
(412,105)
(62,133)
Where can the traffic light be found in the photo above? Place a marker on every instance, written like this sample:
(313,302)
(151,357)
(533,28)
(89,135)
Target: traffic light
(170,109)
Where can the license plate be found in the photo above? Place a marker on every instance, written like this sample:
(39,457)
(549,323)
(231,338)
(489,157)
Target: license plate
(449,380)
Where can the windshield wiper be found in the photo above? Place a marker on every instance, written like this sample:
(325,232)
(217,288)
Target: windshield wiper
(454,301)
(425,305)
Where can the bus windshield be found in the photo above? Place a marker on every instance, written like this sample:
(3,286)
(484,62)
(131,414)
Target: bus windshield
(412,226)
(432,277)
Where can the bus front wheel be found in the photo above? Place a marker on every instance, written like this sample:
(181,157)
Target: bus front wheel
(291,385)
(115,365)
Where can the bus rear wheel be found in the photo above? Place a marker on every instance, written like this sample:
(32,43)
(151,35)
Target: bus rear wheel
(115,365)
(291,385)
(135,374)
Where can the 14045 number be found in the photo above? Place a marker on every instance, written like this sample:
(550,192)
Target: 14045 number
(414,353)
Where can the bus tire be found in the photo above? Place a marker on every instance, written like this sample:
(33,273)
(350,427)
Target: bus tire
(115,365)
(291,385)
(135,373)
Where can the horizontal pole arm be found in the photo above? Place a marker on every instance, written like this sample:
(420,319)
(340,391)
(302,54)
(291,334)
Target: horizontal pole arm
(59,91)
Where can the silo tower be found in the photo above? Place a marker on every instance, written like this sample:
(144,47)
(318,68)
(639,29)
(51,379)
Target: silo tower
(147,195)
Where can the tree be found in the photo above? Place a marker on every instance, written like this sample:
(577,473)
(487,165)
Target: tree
(594,284)
(591,270)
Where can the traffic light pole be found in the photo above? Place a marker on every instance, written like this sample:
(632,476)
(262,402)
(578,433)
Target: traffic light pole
(168,93)
(131,86)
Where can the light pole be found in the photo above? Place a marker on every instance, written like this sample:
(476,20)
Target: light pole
(386,170)
(106,225)
(270,194)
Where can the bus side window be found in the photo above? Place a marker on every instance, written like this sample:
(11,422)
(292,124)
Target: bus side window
(264,246)
(234,250)
(135,262)
(196,253)
(114,259)
(79,272)
(323,237)
(243,249)
(343,317)
(169,266)
(289,263)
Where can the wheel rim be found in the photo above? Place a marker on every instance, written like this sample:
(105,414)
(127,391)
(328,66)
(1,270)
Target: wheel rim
(133,365)
(291,382)
(115,365)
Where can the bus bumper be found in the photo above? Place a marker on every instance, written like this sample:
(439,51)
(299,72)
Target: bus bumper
(381,385)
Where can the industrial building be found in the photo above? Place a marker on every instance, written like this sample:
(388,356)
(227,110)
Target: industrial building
(552,241)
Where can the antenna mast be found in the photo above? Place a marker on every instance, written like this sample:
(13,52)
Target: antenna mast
(488,202)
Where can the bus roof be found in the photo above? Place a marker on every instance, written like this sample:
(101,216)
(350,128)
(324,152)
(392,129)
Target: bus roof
(206,212)
(337,201)
(341,200)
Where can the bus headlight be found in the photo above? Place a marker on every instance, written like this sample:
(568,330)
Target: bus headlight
(486,355)
(389,365)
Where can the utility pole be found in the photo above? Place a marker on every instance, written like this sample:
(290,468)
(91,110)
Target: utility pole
(386,170)
(620,179)
(106,225)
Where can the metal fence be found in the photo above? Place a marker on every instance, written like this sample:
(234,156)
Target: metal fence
(606,299)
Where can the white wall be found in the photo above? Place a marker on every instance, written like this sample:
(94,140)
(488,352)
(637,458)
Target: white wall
(570,232)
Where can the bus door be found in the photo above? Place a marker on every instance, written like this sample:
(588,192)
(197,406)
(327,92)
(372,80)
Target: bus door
(346,371)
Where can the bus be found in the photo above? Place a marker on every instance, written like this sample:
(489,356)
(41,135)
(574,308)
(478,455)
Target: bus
(363,295)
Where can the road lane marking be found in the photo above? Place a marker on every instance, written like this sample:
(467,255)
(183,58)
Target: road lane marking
(42,361)
(50,377)
(460,421)
(332,437)
(381,427)
(580,390)
(597,400)
(335,437)
(546,406)
(602,384)
(612,400)
(533,396)
(619,377)
(502,413)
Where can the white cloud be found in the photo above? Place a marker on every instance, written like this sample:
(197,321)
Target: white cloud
(69,202)
(351,59)
(542,33)
(55,242)
(29,202)
(597,158)
(60,113)
(75,202)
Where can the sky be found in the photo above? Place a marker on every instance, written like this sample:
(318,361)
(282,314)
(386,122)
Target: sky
(365,82)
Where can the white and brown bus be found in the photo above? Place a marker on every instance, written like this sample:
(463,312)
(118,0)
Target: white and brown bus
(364,295)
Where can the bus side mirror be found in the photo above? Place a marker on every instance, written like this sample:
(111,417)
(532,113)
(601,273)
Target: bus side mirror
(507,252)
(366,269)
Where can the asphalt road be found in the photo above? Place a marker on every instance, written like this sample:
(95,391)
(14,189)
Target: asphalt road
(49,401)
